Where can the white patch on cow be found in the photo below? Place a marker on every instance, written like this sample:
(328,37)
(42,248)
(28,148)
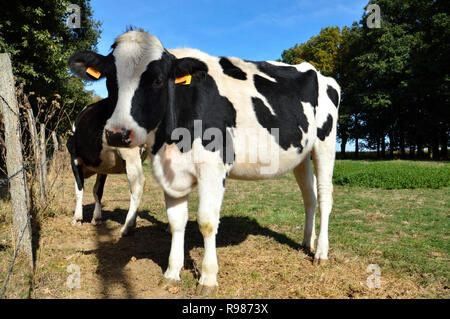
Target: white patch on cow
(133,52)
(78,216)
(174,170)
(177,214)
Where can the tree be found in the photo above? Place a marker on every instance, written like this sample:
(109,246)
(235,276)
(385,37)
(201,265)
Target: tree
(321,51)
(36,36)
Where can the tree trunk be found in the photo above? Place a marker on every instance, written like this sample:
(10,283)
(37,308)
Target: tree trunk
(402,145)
(383,147)
(14,159)
(378,147)
(419,151)
(444,145)
(391,144)
(356,148)
(412,150)
(343,145)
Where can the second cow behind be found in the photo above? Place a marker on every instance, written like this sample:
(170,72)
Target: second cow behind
(90,155)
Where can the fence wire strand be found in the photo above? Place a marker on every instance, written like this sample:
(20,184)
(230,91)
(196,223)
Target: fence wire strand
(16,253)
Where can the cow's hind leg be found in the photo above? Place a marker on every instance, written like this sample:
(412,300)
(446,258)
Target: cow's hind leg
(210,191)
(323,157)
(177,214)
(79,187)
(307,182)
(98,194)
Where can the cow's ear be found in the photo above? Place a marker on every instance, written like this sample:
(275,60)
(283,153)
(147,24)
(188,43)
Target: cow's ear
(89,65)
(191,66)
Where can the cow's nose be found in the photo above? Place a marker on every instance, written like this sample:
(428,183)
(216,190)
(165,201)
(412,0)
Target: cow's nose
(118,138)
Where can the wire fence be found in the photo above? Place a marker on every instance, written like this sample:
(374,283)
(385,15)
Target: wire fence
(40,147)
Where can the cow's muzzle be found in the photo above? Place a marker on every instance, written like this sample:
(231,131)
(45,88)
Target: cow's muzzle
(119,138)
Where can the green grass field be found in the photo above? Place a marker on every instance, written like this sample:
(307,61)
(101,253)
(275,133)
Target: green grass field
(402,227)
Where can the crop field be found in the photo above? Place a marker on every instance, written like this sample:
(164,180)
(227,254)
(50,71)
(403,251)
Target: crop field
(394,214)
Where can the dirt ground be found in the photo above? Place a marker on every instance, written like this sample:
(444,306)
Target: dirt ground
(254,261)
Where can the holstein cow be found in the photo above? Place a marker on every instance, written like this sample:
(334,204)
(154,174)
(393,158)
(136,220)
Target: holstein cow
(207,118)
(90,155)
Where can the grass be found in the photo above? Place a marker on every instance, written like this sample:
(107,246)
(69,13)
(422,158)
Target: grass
(392,174)
(404,231)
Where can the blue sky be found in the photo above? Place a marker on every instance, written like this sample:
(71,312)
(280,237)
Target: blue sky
(254,30)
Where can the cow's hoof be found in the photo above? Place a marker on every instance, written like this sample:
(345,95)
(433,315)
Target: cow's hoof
(320,262)
(96,221)
(308,250)
(126,231)
(76,222)
(166,283)
(206,291)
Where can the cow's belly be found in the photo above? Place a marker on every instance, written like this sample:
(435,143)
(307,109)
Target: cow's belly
(259,156)
(111,163)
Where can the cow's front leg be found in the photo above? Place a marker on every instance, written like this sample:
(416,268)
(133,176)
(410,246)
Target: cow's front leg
(136,180)
(177,214)
(210,192)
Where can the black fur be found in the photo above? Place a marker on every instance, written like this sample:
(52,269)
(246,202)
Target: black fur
(231,70)
(284,97)
(333,95)
(101,186)
(324,131)
(86,142)
(81,60)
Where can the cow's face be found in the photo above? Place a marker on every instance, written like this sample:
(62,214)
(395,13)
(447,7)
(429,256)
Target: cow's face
(136,74)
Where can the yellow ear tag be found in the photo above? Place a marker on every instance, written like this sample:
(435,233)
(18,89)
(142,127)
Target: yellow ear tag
(184,80)
(94,72)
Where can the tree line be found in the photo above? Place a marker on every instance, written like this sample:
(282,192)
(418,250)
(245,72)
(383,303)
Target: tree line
(394,79)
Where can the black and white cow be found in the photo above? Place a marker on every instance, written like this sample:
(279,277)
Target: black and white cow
(90,155)
(207,118)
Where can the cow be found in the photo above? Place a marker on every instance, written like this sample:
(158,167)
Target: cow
(206,119)
(90,155)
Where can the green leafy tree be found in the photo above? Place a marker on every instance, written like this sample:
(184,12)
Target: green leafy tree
(321,51)
(36,36)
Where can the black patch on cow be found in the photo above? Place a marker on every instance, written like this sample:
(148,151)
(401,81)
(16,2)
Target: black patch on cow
(324,131)
(198,101)
(289,133)
(231,70)
(333,95)
(149,101)
(285,96)
(101,186)
(86,142)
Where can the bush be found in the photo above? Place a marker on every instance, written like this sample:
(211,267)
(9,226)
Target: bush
(392,174)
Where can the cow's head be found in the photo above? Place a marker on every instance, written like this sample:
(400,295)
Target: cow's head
(139,73)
